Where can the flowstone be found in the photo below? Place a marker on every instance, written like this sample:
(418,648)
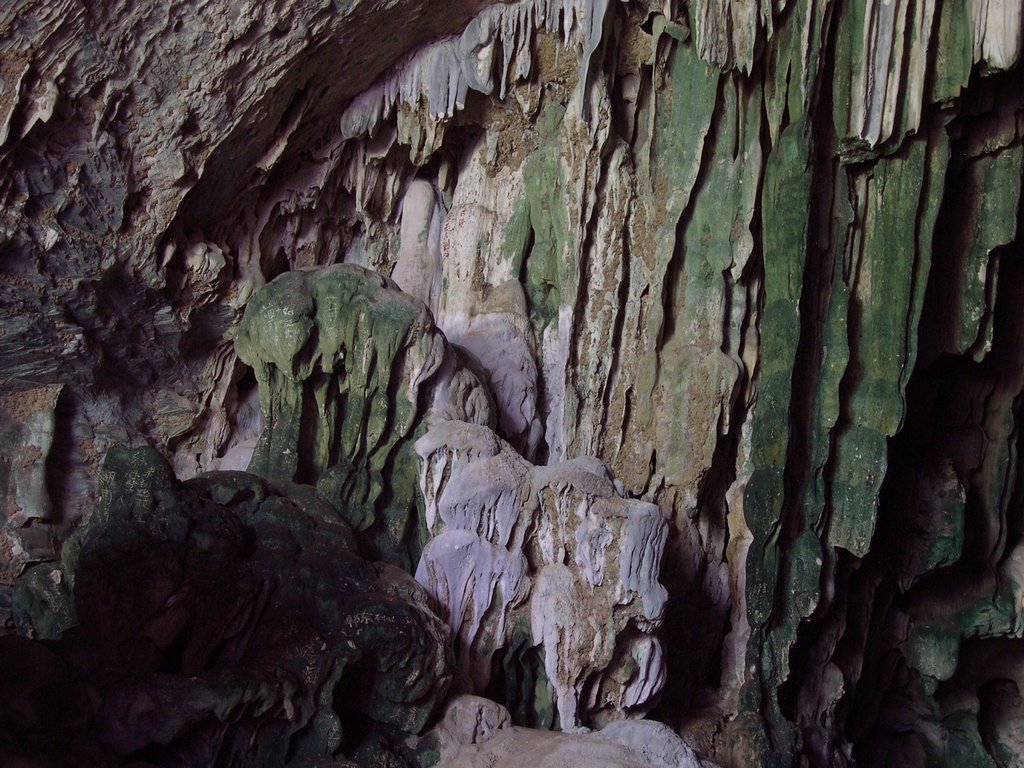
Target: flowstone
(547,573)
(764,260)
(348,367)
(476,732)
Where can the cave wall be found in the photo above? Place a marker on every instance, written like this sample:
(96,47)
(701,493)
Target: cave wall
(763,260)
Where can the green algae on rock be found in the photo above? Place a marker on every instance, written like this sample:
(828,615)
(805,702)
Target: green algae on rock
(762,259)
(348,367)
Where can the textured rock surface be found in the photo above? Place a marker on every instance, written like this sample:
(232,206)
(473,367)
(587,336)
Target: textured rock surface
(251,633)
(347,367)
(546,574)
(761,259)
(476,732)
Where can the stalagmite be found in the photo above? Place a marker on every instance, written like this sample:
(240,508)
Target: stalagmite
(556,547)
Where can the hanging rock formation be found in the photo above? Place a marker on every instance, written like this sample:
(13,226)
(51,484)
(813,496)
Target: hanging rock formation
(346,366)
(763,262)
(545,573)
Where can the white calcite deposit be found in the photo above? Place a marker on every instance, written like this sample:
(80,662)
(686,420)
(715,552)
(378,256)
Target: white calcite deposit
(558,547)
(442,74)
(475,732)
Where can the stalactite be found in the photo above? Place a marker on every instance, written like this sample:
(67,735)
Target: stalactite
(702,401)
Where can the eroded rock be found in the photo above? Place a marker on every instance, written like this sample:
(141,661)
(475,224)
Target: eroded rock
(550,557)
(348,367)
(250,633)
(477,732)
(761,259)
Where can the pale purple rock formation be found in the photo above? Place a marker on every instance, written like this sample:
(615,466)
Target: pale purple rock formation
(558,547)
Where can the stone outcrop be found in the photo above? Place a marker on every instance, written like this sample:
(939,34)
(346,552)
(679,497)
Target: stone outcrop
(475,732)
(224,621)
(547,572)
(348,368)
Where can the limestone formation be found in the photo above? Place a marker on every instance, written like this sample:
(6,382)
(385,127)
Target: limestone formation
(760,261)
(27,421)
(347,366)
(477,732)
(550,559)
(250,633)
